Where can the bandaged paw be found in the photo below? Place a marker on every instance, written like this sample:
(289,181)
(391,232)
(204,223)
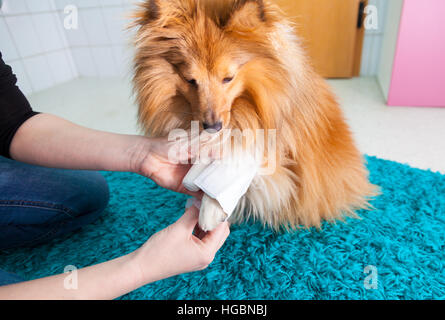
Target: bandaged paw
(211,214)
(224,183)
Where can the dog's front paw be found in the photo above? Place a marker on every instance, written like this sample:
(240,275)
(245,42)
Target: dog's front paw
(211,214)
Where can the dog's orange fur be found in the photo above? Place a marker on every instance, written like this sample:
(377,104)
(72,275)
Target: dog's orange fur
(320,174)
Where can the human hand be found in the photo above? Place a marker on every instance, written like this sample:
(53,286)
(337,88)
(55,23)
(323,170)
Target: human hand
(153,161)
(175,249)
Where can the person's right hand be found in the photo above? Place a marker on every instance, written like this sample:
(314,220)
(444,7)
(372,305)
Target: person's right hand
(175,249)
(152,160)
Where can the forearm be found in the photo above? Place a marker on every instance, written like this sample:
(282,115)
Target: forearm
(51,141)
(171,251)
(106,280)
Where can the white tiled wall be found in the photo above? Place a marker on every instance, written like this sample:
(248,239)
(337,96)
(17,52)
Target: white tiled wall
(101,45)
(43,53)
(34,44)
(101,39)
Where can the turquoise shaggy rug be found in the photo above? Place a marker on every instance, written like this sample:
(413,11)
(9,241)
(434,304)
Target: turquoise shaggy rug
(403,240)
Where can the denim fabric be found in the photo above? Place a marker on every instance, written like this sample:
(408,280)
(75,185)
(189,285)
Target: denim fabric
(38,204)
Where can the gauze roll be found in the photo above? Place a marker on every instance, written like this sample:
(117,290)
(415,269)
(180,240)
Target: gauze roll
(189,180)
(223,180)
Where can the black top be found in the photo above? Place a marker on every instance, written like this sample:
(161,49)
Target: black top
(14,108)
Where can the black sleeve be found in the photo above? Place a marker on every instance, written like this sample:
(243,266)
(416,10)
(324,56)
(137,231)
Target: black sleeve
(14,108)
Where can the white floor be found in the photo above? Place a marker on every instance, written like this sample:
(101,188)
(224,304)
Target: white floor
(415,136)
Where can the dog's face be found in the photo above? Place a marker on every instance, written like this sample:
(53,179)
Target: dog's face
(211,88)
(205,53)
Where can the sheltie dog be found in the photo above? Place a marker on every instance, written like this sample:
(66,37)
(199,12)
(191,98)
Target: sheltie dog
(238,64)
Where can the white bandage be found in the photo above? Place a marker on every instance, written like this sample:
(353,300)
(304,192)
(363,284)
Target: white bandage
(224,181)
(194,172)
(193,202)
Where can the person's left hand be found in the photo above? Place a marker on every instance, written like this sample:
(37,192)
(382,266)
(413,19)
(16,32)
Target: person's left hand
(167,173)
(178,249)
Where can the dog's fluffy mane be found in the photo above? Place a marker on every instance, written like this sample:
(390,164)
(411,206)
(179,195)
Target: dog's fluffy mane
(320,173)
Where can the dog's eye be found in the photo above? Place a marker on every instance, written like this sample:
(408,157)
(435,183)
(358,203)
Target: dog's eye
(192,82)
(227,80)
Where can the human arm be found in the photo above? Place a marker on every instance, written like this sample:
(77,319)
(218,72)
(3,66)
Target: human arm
(48,140)
(51,141)
(171,251)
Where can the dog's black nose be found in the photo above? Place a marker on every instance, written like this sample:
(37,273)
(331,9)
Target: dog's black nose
(215,126)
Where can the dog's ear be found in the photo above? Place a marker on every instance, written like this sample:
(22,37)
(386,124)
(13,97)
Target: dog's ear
(245,14)
(148,11)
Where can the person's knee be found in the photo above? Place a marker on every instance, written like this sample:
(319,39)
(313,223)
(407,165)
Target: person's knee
(87,202)
(75,192)
(93,194)
(102,192)
(42,203)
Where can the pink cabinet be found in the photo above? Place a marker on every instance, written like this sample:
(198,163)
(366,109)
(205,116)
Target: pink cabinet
(417,77)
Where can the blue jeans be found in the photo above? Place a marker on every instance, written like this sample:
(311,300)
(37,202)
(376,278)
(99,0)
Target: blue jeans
(38,204)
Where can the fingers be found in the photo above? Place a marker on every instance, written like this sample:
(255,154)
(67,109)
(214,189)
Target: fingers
(225,234)
(189,219)
(196,194)
(181,148)
(187,147)
(216,238)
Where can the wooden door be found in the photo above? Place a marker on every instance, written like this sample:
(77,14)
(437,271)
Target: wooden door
(330,32)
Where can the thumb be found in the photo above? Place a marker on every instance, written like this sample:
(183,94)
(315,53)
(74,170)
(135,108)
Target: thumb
(189,219)
(215,238)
